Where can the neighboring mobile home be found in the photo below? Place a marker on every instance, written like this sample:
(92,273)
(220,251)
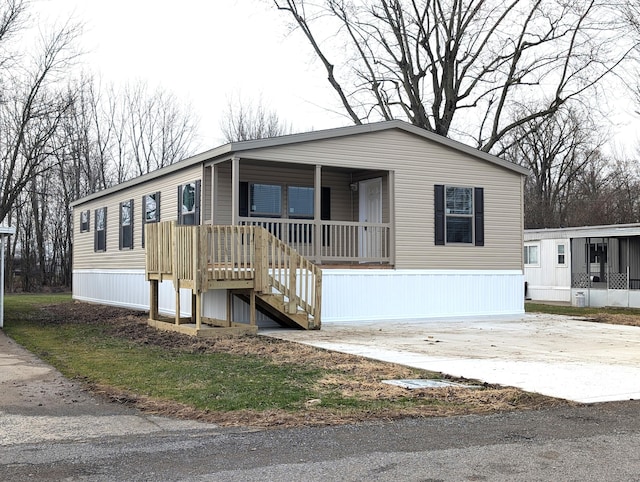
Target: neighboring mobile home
(590,265)
(403,223)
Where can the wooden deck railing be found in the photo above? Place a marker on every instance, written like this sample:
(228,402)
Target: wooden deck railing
(340,241)
(194,255)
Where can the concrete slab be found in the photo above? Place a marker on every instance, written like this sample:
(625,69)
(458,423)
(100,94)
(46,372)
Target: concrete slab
(554,355)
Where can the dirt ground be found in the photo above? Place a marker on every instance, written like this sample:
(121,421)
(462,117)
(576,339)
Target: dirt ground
(356,376)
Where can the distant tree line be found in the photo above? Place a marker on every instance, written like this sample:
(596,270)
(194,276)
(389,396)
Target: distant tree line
(62,139)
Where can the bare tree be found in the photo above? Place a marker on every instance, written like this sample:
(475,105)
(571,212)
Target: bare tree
(560,151)
(31,107)
(460,67)
(244,121)
(159,131)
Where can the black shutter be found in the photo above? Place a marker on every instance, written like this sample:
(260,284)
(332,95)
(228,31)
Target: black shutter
(196,220)
(104,232)
(143,205)
(157,206)
(180,204)
(95,231)
(325,213)
(243,202)
(478,203)
(131,226)
(120,228)
(439,214)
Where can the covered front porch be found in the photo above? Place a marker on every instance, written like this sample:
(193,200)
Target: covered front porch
(330,215)
(605,271)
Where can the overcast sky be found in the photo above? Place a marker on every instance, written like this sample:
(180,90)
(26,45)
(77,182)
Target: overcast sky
(205,52)
(209,51)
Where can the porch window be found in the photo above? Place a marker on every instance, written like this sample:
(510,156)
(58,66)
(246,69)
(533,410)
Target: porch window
(189,203)
(151,207)
(459,215)
(300,202)
(126,224)
(100,236)
(531,255)
(84,221)
(265,200)
(561,254)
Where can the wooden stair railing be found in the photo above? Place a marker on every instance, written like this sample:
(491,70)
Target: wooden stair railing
(192,256)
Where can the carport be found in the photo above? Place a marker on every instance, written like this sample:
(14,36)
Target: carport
(558,356)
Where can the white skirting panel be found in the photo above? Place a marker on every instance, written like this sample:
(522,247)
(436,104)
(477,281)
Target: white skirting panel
(414,294)
(549,293)
(128,289)
(597,298)
(367,294)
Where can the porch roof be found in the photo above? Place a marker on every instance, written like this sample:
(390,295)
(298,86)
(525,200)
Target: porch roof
(605,231)
(225,152)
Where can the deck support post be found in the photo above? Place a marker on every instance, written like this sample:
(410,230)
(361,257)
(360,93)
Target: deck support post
(177,306)
(153,299)
(196,310)
(252,307)
(229,306)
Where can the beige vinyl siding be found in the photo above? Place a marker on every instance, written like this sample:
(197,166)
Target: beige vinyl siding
(418,166)
(84,256)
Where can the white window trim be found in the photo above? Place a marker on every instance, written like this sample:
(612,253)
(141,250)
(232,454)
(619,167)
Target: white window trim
(468,216)
(561,243)
(532,265)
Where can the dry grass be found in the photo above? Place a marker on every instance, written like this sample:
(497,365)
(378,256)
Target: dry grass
(355,379)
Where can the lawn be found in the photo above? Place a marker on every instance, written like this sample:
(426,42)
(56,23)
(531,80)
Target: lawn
(230,380)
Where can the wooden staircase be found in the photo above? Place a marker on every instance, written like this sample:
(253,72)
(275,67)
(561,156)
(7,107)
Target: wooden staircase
(246,261)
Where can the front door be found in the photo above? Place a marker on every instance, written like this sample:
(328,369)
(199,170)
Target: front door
(370,202)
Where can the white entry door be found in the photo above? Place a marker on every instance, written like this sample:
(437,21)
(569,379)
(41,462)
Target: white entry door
(370,202)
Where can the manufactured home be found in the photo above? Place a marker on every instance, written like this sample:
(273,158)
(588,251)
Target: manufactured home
(584,266)
(377,221)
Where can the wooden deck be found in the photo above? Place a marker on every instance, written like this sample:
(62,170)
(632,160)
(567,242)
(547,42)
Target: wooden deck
(245,260)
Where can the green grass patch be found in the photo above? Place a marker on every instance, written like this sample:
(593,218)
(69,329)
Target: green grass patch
(574,311)
(206,381)
(259,375)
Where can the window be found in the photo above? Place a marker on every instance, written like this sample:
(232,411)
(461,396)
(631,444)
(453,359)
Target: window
(126,224)
(100,233)
(265,200)
(151,210)
(84,221)
(561,254)
(300,202)
(151,203)
(531,255)
(189,203)
(459,215)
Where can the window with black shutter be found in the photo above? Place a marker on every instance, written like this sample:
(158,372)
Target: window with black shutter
(459,215)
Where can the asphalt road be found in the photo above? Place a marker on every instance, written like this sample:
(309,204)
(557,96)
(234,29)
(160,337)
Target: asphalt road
(598,443)
(52,430)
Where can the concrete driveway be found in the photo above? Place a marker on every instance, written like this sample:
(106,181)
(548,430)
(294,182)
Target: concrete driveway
(555,355)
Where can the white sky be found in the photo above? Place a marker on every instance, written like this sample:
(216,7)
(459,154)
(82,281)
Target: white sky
(205,52)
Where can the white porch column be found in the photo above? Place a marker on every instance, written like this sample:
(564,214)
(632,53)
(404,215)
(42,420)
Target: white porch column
(235,190)
(317,213)
(392,217)
(214,191)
